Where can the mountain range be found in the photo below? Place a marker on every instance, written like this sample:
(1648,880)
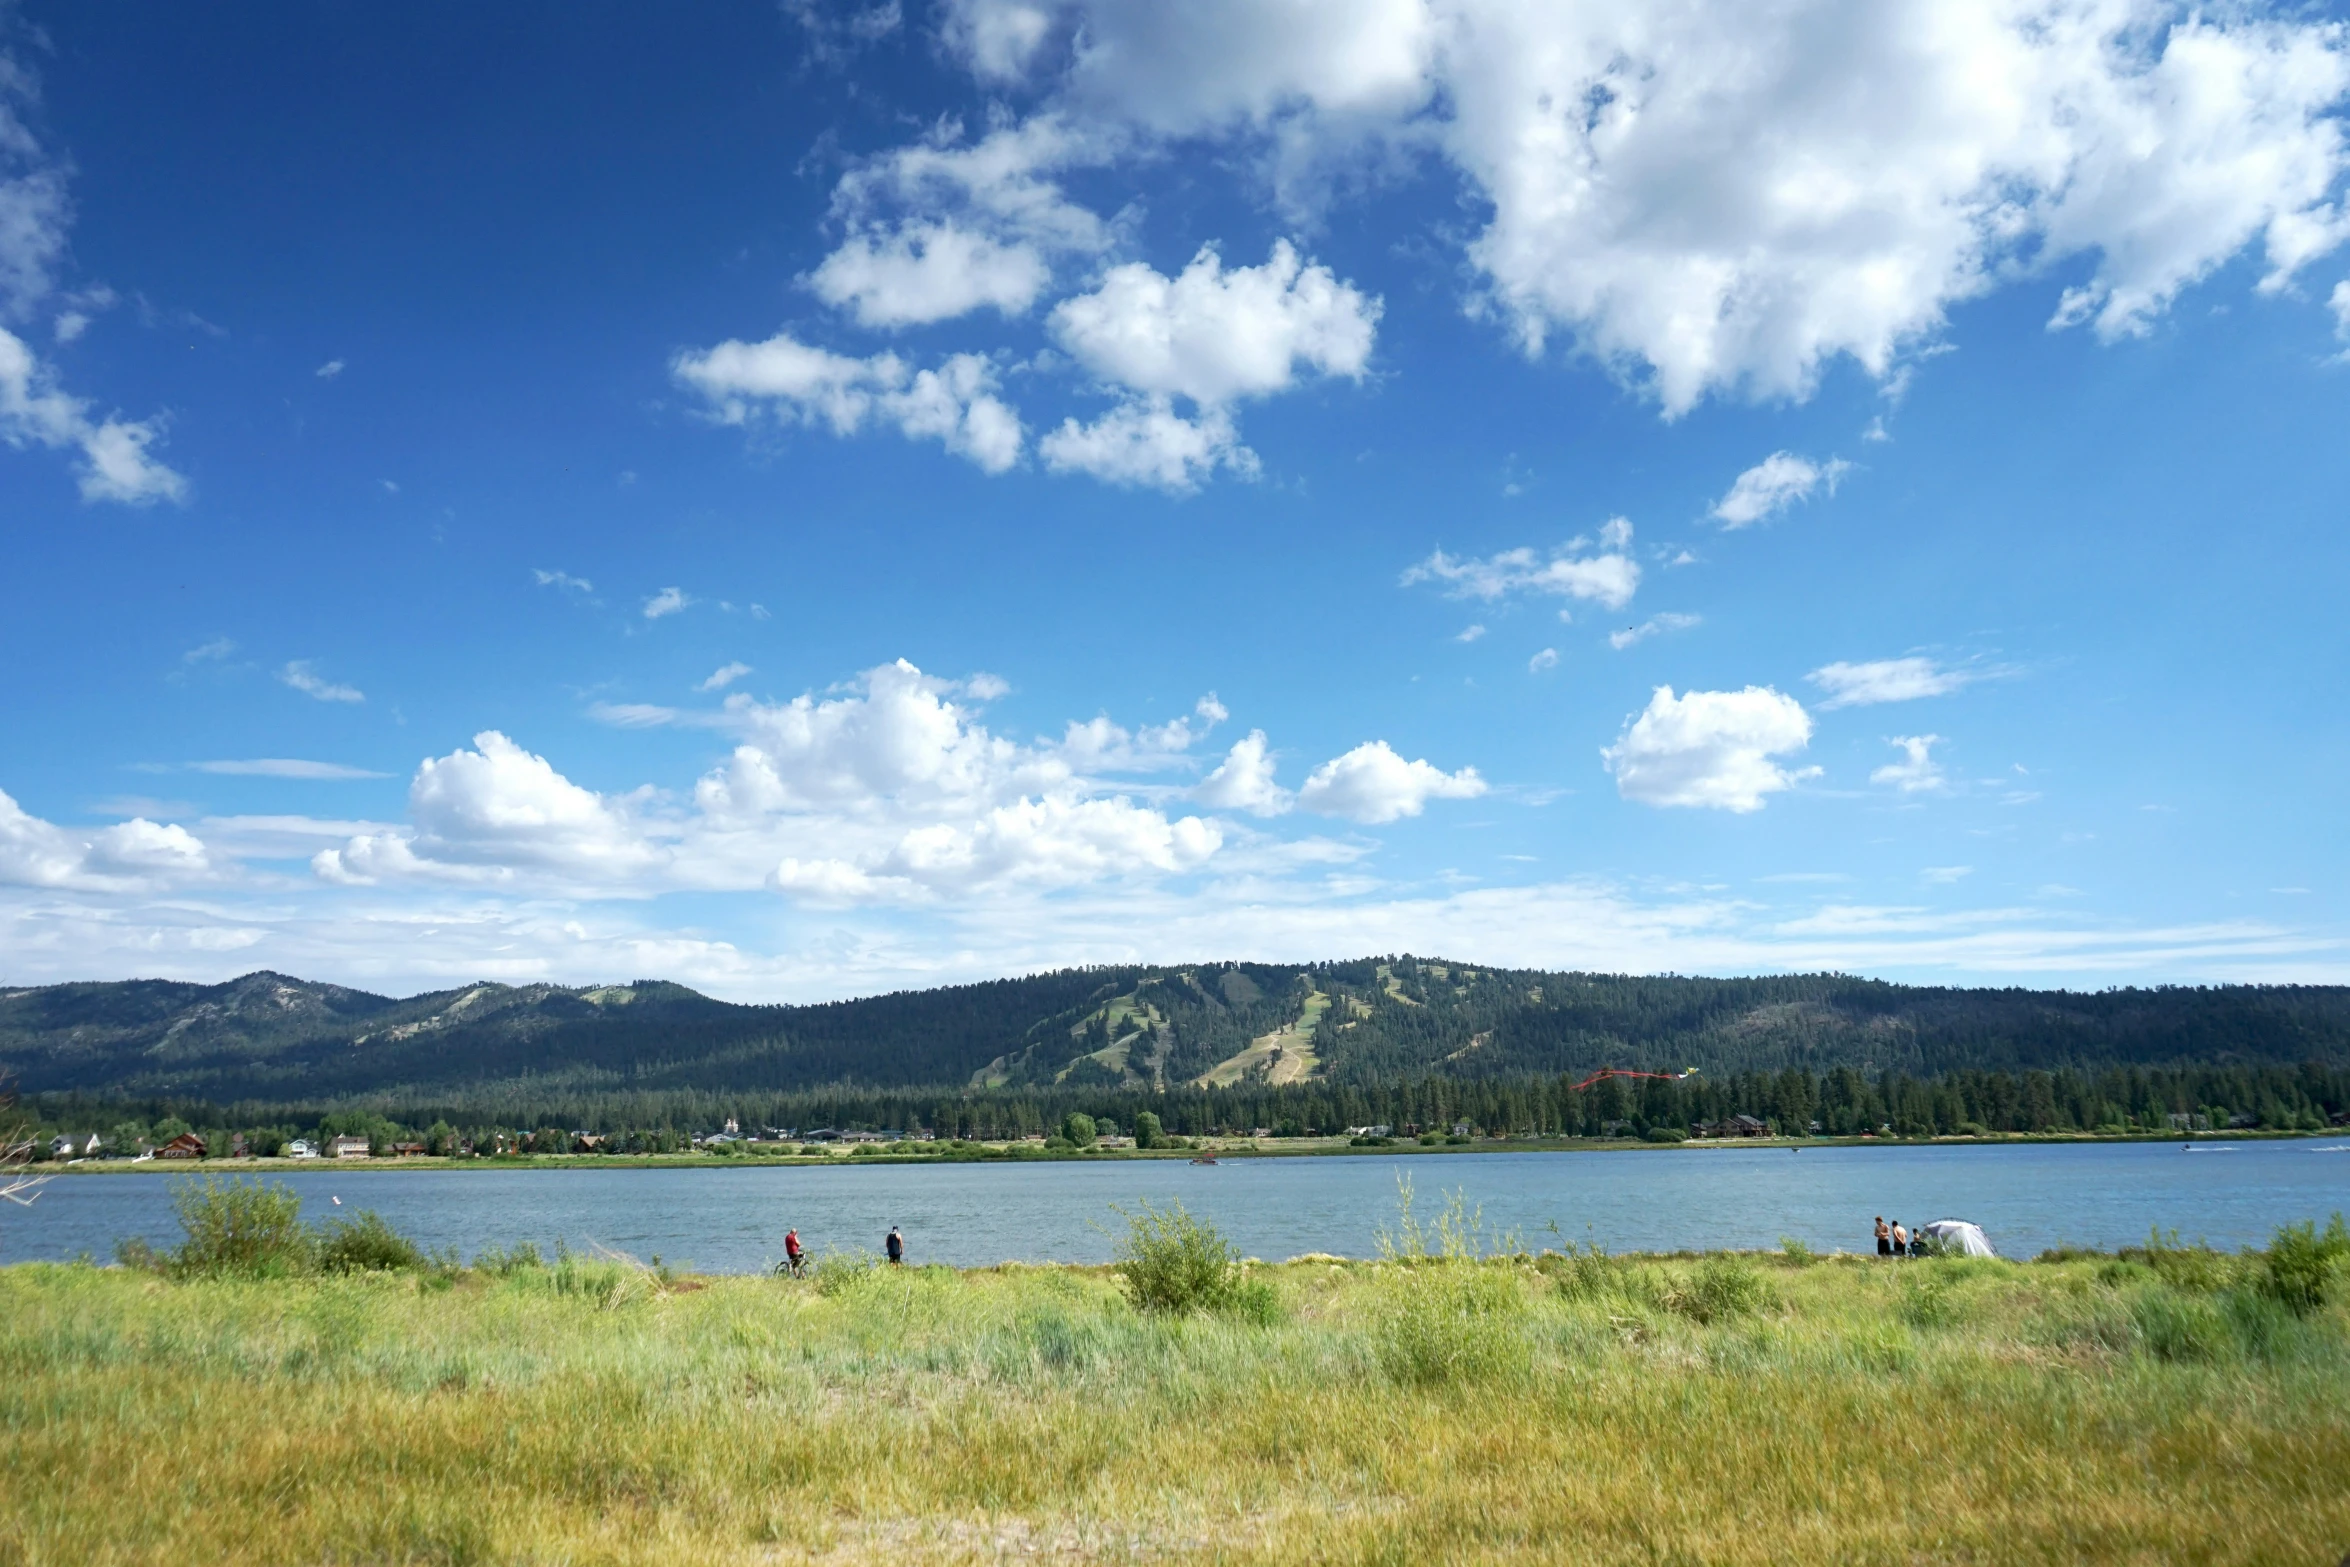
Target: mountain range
(268,1036)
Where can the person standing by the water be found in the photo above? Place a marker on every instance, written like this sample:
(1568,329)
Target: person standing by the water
(1900,1240)
(1884,1238)
(895,1245)
(792,1251)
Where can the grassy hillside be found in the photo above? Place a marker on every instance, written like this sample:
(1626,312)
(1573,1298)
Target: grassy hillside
(1359,1024)
(2163,1407)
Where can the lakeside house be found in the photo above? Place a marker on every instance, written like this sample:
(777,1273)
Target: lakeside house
(61,1146)
(185,1146)
(404,1150)
(1732,1126)
(300,1148)
(347,1148)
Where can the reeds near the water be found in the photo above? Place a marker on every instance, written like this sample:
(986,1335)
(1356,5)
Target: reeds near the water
(2170,1404)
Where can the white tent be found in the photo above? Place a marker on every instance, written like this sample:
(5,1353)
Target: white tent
(1956,1235)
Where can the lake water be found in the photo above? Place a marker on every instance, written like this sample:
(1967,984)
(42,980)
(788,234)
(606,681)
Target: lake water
(732,1219)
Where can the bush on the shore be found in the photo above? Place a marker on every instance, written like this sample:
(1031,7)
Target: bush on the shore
(1171,1264)
(251,1229)
(366,1244)
(2301,1264)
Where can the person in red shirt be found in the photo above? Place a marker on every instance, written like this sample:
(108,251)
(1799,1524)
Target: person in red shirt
(793,1256)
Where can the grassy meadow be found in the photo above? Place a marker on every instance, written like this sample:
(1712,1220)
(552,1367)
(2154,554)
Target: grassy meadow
(337,1398)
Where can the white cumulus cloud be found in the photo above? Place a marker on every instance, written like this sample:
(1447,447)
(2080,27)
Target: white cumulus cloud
(1210,336)
(1774,484)
(1607,575)
(1144,441)
(115,465)
(668,601)
(940,229)
(128,856)
(1709,748)
(111,452)
(1716,198)
(1213,334)
(1917,772)
(1243,781)
(1885,680)
(954,404)
(1371,784)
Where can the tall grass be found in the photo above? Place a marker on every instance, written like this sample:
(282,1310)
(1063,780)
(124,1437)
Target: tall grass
(1640,1409)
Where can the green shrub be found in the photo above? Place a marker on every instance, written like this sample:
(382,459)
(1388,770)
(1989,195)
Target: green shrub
(1585,1273)
(1078,1129)
(838,1272)
(1723,1287)
(1796,1252)
(503,1264)
(1148,1133)
(1665,1134)
(2300,1263)
(1451,1322)
(366,1244)
(1431,1139)
(1170,1263)
(2179,1327)
(240,1228)
(1926,1300)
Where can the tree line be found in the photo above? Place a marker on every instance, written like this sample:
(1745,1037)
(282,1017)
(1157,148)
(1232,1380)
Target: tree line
(1841,1101)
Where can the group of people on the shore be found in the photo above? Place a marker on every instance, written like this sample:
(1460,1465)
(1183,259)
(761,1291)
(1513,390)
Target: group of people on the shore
(1892,1239)
(795,1255)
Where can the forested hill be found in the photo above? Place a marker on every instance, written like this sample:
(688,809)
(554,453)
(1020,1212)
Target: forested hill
(1366,1023)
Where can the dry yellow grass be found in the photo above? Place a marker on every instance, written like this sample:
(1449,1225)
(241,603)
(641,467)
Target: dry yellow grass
(1843,1411)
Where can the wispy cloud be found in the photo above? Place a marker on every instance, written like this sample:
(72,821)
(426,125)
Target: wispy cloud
(723,677)
(209,652)
(667,602)
(1654,625)
(1605,575)
(1886,680)
(329,370)
(1774,484)
(303,676)
(285,767)
(1917,772)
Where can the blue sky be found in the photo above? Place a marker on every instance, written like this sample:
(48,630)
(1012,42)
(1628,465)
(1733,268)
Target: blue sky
(810,499)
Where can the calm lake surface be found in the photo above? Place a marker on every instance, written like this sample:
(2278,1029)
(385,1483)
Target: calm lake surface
(732,1220)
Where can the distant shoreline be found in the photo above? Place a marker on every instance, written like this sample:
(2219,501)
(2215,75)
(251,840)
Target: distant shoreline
(1029,1153)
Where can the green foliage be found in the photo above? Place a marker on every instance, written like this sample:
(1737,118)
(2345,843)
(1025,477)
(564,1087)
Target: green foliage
(1077,1129)
(1796,1252)
(2301,1263)
(838,1272)
(1148,1133)
(1664,1134)
(243,1228)
(504,1262)
(1723,1287)
(366,1244)
(1171,1264)
(1453,1320)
